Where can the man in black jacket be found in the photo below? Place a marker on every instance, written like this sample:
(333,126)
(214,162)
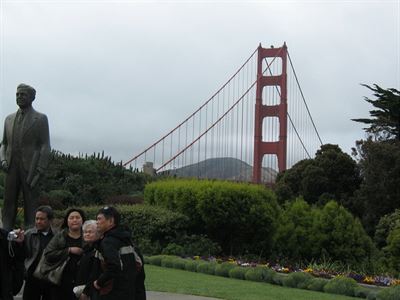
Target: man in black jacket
(122,275)
(35,240)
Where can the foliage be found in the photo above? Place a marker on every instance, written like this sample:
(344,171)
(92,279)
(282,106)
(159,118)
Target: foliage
(191,265)
(331,175)
(339,236)
(317,284)
(380,189)
(206,268)
(237,272)
(386,224)
(392,250)
(255,274)
(294,233)
(329,233)
(385,118)
(341,285)
(297,280)
(192,245)
(90,179)
(226,212)
(223,269)
(391,293)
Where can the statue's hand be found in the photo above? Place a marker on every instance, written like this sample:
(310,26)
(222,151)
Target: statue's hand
(35,179)
(4,165)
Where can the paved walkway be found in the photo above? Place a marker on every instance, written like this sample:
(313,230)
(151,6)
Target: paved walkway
(159,296)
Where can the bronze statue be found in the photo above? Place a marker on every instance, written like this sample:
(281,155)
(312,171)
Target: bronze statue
(24,155)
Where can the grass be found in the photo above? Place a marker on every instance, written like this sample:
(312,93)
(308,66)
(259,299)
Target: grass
(184,282)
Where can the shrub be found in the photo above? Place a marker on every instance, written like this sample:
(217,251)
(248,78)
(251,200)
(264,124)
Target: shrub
(191,265)
(237,272)
(173,249)
(297,280)
(268,275)
(362,292)
(341,285)
(155,260)
(179,263)
(255,274)
(391,293)
(202,267)
(223,269)
(224,211)
(278,278)
(167,261)
(317,284)
(340,237)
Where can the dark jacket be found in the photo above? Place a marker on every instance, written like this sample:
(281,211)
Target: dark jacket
(119,266)
(11,267)
(32,249)
(88,271)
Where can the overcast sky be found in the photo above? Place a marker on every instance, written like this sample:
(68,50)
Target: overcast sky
(117,75)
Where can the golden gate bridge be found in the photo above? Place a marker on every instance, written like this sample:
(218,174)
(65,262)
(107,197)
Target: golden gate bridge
(256,124)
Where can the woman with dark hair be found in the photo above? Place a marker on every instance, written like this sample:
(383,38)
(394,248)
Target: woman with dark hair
(66,245)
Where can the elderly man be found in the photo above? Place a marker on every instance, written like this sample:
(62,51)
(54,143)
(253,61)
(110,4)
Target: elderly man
(24,155)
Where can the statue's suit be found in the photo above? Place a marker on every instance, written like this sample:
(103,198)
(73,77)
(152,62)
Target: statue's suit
(26,148)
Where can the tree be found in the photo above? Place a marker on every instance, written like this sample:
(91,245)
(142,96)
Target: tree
(385,119)
(332,174)
(379,192)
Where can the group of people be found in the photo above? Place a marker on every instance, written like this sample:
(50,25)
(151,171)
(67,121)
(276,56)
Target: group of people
(84,259)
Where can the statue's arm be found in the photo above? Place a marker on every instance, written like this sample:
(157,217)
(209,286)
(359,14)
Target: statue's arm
(3,146)
(44,145)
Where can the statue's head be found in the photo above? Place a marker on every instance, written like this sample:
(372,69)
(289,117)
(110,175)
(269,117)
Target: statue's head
(25,95)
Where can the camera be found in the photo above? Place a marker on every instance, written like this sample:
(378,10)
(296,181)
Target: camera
(12,236)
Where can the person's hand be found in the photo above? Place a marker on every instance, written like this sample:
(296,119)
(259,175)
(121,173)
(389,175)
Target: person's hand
(97,287)
(83,297)
(75,250)
(20,235)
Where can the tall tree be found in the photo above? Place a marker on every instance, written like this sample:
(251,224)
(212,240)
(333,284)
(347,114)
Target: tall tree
(331,175)
(385,119)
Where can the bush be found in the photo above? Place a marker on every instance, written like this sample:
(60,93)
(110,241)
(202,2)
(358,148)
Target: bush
(223,269)
(317,284)
(237,272)
(155,260)
(179,263)
(268,275)
(173,249)
(255,274)
(224,211)
(297,280)
(278,278)
(391,293)
(206,268)
(341,285)
(362,292)
(167,261)
(191,265)
(340,237)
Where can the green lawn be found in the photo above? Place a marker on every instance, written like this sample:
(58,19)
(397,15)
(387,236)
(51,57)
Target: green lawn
(184,282)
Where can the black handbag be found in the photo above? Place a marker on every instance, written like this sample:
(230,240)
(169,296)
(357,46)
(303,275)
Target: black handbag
(52,274)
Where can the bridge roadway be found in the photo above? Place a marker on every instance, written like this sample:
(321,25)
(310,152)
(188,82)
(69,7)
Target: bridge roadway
(158,296)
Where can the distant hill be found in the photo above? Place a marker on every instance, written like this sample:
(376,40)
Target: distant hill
(223,168)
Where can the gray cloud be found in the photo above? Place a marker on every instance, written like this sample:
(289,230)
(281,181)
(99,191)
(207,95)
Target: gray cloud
(117,76)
